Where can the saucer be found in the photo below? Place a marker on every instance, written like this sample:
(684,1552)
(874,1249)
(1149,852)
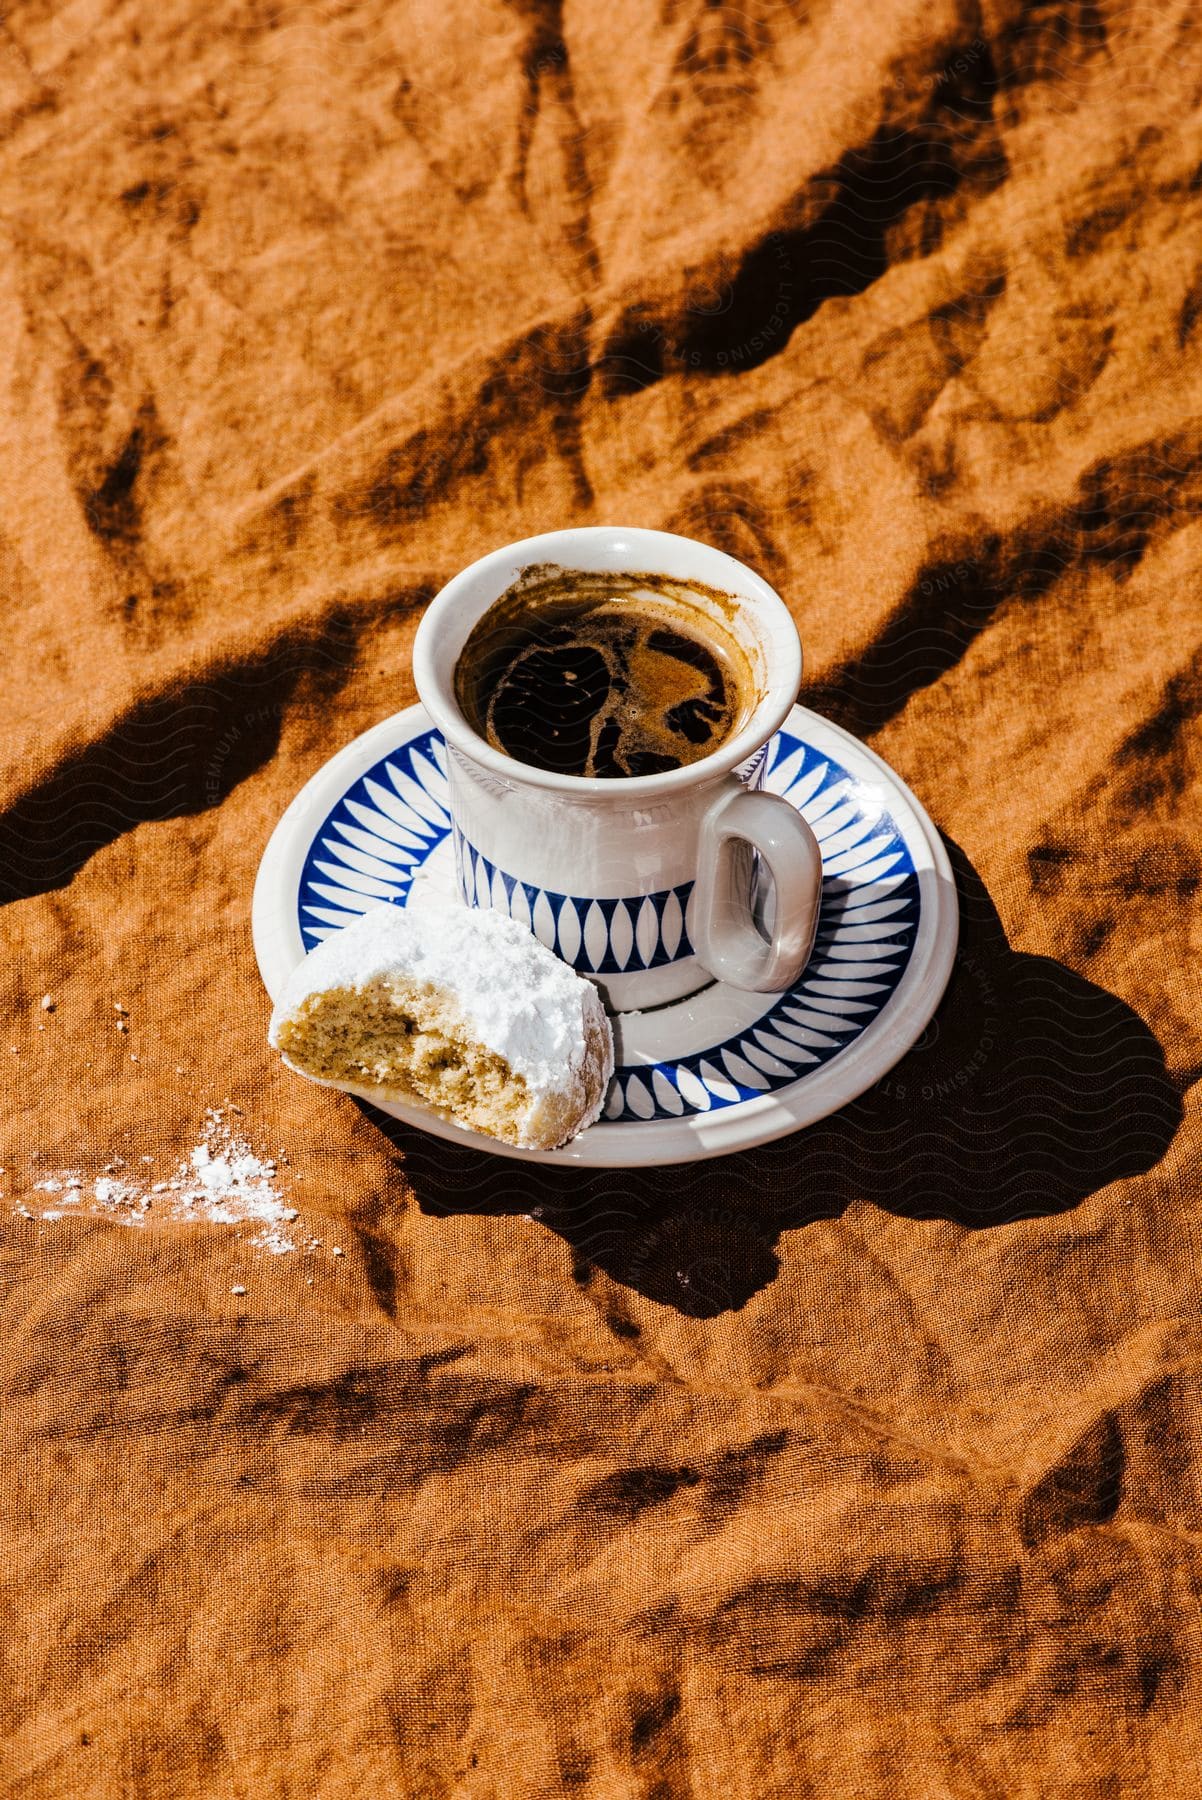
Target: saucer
(721,1070)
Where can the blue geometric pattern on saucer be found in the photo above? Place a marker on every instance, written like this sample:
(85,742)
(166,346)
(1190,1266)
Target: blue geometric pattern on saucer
(376,839)
(388,822)
(597,937)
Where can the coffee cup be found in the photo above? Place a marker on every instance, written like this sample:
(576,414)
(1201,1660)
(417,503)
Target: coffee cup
(647,884)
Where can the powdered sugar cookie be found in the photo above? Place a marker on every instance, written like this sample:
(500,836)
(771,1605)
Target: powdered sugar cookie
(463,1010)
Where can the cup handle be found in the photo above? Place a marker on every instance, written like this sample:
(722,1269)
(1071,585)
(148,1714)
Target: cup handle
(725,936)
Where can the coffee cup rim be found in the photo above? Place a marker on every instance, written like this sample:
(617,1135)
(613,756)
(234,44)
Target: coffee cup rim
(462,601)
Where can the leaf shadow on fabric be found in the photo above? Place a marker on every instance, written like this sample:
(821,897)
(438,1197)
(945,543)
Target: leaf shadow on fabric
(1031,1089)
(182,750)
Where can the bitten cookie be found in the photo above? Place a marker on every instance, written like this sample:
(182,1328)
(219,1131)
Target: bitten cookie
(463,1010)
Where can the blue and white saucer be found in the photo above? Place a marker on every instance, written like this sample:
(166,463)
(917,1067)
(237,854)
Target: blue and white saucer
(722,1070)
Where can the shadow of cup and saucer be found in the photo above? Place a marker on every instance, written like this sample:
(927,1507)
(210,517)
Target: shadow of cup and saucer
(1030,1089)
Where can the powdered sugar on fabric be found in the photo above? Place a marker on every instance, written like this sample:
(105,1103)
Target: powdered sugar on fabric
(221,1182)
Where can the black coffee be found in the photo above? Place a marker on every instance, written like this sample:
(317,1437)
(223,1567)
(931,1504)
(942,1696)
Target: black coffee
(609,675)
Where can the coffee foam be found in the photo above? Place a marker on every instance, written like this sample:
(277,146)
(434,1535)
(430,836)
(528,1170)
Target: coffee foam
(605,675)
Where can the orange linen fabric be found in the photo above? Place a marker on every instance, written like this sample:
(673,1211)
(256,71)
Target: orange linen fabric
(866,1465)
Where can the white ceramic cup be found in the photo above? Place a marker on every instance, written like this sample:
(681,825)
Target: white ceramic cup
(645,884)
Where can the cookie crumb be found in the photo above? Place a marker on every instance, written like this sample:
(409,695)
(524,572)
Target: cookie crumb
(47,1003)
(237,1290)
